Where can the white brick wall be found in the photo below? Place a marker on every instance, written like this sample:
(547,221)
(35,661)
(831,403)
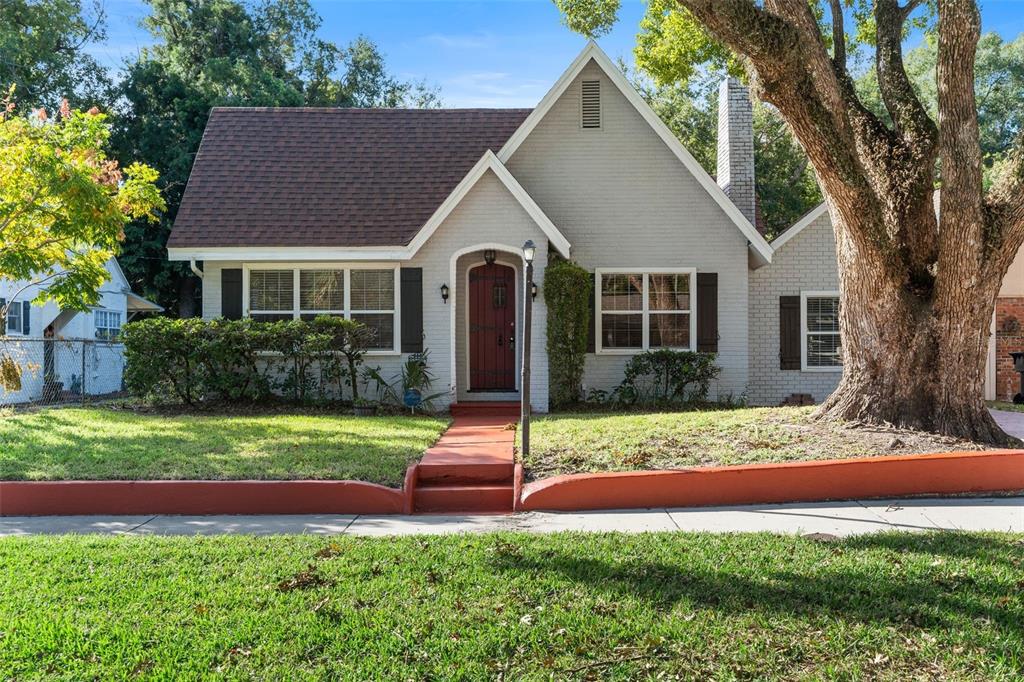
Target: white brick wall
(805,263)
(623,199)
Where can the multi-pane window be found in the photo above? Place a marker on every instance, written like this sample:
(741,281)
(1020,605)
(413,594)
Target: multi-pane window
(14,318)
(321,292)
(644,310)
(367,295)
(271,295)
(107,323)
(373,303)
(822,345)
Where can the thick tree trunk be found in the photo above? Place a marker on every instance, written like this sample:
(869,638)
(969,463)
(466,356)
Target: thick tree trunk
(917,291)
(909,361)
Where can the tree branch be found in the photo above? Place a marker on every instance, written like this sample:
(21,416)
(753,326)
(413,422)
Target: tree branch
(838,36)
(963,240)
(908,8)
(1004,209)
(791,68)
(908,114)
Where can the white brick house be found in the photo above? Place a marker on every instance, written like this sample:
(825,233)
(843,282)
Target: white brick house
(414,222)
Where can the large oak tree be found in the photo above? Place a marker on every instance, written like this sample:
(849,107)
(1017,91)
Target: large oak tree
(917,285)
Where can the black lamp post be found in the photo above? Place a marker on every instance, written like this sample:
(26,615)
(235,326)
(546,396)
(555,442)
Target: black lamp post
(529,251)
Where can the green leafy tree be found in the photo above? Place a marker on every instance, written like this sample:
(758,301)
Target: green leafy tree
(63,203)
(63,208)
(228,53)
(42,52)
(917,287)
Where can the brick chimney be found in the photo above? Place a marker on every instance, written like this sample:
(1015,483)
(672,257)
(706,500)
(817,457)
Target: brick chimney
(736,147)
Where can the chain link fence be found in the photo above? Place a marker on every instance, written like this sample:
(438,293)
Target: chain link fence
(59,371)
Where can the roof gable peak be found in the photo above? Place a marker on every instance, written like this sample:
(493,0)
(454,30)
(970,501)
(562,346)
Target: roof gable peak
(759,248)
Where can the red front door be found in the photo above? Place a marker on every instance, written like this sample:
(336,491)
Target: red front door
(492,328)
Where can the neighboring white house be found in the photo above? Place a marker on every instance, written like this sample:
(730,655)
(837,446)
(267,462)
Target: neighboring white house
(413,222)
(48,342)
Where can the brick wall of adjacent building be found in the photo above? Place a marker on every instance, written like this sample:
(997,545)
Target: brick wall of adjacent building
(1009,338)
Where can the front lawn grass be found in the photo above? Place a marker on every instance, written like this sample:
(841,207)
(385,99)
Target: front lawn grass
(582,443)
(1005,406)
(100,443)
(514,607)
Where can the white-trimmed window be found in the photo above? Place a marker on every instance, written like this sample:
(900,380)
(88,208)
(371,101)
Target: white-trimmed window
(365,294)
(819,319)
(640,310)
(107,323)
(14,318)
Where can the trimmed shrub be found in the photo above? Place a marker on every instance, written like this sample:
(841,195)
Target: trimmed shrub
(192,360)
(567,289)
(667,377)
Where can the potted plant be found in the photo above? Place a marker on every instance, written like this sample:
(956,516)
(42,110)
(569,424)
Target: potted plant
(361,407)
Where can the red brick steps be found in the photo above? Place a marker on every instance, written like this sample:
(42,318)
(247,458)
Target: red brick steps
(462,498)
(471,467)
(501,408)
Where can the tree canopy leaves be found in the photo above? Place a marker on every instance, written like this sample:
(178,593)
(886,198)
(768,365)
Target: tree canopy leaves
(42,52)
(64,203)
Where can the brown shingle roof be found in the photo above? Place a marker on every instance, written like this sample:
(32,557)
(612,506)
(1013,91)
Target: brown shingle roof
(330,177)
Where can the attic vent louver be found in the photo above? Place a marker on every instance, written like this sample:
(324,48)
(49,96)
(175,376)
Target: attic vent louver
(590,109)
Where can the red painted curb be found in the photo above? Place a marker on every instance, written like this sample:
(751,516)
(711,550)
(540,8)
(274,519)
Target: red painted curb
(409,489)
(517,487)
(33,498)
(864,478)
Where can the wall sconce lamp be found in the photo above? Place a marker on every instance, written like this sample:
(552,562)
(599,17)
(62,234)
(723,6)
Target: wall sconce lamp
(444,293)
(533,290)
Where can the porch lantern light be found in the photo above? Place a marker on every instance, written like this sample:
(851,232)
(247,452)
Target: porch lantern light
(444,293)
(529,251)
(490,255)
(533,290)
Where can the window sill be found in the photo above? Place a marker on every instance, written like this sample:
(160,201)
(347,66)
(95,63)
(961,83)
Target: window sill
(819,370)
(638,351)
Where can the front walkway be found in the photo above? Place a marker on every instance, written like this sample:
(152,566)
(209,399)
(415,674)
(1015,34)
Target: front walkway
(471,467)
(833,518)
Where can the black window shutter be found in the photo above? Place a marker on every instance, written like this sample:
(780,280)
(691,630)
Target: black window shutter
(412,310)
(707,312)
(3,317)
(231,293)
(592,327)
(26,312)
(789,332)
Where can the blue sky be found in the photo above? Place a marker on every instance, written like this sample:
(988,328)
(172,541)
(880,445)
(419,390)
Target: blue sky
(489,53)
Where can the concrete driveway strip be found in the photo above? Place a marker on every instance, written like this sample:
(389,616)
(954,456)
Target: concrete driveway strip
(1011,422)
(834,518)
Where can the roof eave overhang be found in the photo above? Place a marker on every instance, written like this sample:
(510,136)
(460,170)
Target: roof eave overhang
(288,253)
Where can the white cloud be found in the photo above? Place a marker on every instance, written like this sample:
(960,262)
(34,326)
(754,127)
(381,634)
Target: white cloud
(472,41)
(492,89)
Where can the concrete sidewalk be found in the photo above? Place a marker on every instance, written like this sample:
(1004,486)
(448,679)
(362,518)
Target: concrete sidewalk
(836,518)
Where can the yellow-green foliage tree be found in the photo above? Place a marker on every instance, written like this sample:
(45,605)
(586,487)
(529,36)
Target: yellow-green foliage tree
(64,203)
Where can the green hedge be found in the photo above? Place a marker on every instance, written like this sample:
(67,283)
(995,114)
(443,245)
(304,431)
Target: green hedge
(667,377)
(195,360)
(567,294)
